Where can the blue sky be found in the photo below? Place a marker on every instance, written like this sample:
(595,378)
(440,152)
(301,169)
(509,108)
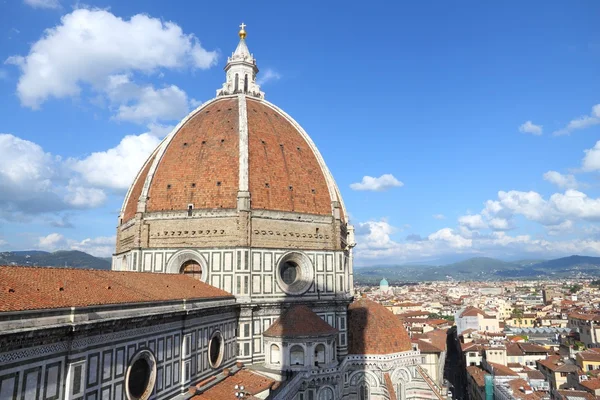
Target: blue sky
(475,120)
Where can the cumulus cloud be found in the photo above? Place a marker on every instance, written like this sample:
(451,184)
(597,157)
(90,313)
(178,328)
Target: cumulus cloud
(472,222)
(560,180)
(585,121)
(591,161)
(383,183)
(375,244)
(530,127)
(49,4)
(100,246)
(34,181)
(116,168)
(143,104)
(267,76)
(90,45)
(439,216)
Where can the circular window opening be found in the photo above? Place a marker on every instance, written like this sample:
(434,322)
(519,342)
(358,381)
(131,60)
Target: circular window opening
(290,271)
(192,268)
(295,273)
(138,378)
(141,375)
(215,350)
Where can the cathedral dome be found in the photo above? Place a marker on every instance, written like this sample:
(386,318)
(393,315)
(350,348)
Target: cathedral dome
(231,144)
(373,329)
(236,151)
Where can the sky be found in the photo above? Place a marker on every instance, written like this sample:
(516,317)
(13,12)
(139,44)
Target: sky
(453,129)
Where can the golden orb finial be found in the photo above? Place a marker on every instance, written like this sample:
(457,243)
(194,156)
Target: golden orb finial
(242,31)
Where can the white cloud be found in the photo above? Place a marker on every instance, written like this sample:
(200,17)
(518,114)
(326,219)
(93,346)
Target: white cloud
(375,245)
(472,222)
(383,183)
(582,122)
(560,180)
(51,242)
(99,247)
(89,45)
(591,161)
(50,4)
(103,246)
(142,104)
(577,205)
(116,168)
(84,197)
(500,224)
(267,76)
(439,216)
(530,127)
(34,181)
(449,236)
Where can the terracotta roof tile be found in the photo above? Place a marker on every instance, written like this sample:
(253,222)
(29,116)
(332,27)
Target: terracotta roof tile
(253,384)
(502,370)
(299,321)
(477,374)
(373,329)
(32,288)
(280,157)
(200,165)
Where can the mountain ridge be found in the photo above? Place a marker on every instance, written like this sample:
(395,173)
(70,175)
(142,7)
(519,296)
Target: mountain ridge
(483,268)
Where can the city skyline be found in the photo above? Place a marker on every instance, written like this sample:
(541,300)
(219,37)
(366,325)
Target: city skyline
(469,131)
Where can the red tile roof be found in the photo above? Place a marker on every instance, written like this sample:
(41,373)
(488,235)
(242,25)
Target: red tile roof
(373,329)
(299,321)
(32,288)
(591,384)
(473,312)
(502,370)
(477,374)
(253,384)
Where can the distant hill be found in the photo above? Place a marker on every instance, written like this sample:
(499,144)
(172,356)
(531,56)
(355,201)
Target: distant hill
(70,258)
(482,268)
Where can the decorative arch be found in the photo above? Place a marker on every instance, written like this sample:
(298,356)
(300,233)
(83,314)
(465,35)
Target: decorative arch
(297,355)
(275,354)
(359,376)
(326,393)
(401,374)
(320,353)
(179,259)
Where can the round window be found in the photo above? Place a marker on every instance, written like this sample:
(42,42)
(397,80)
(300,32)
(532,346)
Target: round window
(289,272)
(295,273)
(141,375)
(215,350)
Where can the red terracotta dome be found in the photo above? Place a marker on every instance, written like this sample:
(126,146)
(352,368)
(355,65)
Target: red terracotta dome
(373,329)
(229,145)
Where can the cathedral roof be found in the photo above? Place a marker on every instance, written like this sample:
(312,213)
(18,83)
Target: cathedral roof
(373,329)
(237,143)
(35,288)
(299,321)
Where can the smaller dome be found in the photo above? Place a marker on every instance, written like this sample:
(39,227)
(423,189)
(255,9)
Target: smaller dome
(383,282)
(373,329)
(299,321)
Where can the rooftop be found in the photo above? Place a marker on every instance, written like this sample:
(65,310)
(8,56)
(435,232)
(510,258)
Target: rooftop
(37,288)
